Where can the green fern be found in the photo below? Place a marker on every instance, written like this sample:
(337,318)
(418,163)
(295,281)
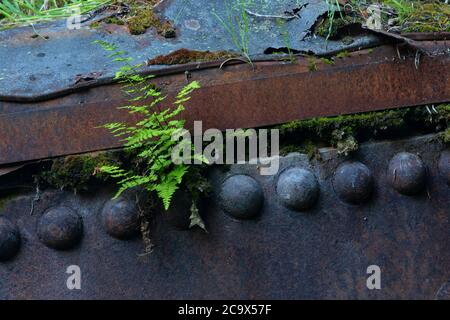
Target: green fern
(150,139)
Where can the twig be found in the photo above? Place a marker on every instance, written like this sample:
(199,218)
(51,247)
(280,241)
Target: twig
(233,59)
(268,16)
(417,59)
(157,4)
(36,198)
(37,33)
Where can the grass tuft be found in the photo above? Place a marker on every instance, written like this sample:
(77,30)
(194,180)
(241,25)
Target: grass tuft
(26,12)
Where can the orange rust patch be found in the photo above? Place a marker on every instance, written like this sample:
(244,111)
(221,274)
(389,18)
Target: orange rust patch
(184,56)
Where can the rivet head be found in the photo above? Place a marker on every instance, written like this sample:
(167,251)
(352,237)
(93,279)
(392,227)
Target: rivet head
(407,173)
(60,228)
(444,166)
(298,188)
(120,218)
(353,182)
(241,197)
(9,239)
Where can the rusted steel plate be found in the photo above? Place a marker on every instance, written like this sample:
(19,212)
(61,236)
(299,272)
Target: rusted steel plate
(321,252)
(236,96)
(47,58)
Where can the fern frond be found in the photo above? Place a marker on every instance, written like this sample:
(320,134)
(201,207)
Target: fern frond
(165,191)
(150,138)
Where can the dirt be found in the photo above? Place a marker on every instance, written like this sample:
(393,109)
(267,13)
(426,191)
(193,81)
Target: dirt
(184,56)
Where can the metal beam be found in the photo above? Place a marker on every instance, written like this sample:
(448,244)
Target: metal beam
(235,96)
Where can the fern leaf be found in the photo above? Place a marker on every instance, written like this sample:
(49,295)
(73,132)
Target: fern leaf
(166,190)
(196,218)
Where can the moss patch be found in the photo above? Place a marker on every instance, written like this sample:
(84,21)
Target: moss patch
(312,64)
(114,20)
(399,15)
(328,28)
(5,198)
(184,56)
(421,16)
(346,131)
(143,18)
(446,136)
(76,173)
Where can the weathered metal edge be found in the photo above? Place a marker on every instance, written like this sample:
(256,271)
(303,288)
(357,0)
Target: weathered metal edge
(235,97)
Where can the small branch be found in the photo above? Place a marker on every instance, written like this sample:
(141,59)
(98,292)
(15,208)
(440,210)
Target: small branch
(36,198)
(268,16)
(157,4)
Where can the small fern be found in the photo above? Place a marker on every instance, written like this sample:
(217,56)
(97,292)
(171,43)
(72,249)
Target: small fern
(150,139)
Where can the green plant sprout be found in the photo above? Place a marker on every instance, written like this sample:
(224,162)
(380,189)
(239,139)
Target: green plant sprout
(287,42)
(26,12)
(237,25)
(333,7)
(150,140)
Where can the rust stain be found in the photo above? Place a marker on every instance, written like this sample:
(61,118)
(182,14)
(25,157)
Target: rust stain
(236,96)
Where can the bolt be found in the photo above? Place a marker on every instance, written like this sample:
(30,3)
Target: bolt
(241,197)
(120,218)
(298,189)
(60,228)
(407,173)
(353,182)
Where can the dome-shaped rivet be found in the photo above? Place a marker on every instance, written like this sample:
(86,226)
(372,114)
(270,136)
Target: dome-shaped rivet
(241,197)
(407,173)
(120,218)
(298,188)
(353,182)
(9,239)
(444,166)
(60,228)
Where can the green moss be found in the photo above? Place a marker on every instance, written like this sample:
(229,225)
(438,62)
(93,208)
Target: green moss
(445,136)
(347,145)
(330,28)
(183,56)
(345,132)
(421,16)
(410,16)
(343,54)
(312,64)
(443,112)
(325,127)
(114,20)
(5,198)
(145,18)
(94,25)
(307,147)
(76,173)
(327,61)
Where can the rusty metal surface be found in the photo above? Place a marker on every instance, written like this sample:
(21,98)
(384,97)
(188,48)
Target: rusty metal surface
(235,96)
(33,66)
(321,250)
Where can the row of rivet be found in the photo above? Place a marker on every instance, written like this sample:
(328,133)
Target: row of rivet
(241,196)
(298,189)
(61,228)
